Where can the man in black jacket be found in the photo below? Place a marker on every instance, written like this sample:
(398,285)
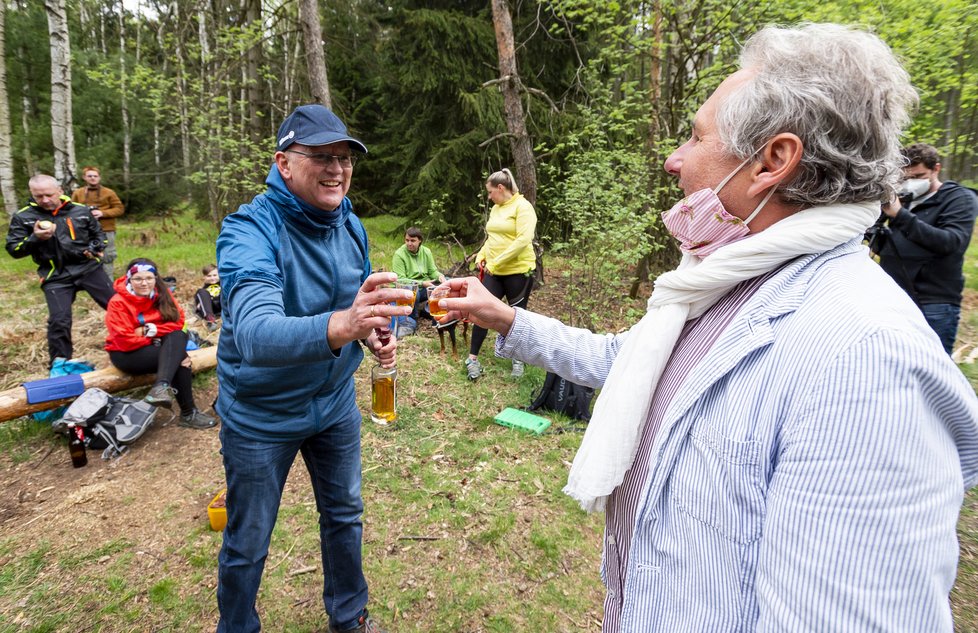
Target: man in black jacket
(930,229)
(66,242)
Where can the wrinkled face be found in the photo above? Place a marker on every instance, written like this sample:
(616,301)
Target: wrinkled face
(47,196)
(321,183)
(498,194)
(702,161)
(143,283)
(413,243)
(211,277)
(93,178)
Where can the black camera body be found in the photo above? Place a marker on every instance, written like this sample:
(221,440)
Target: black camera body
(877,235)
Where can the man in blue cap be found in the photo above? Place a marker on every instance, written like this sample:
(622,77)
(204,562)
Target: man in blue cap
(299,298)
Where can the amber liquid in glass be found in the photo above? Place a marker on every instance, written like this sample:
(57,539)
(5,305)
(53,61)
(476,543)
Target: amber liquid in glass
(436,309)
(384,404)
(407,303)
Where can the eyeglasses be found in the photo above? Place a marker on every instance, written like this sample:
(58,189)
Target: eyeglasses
(327,160)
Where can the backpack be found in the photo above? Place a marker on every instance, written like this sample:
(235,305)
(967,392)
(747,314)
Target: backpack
(110,423)
(565,397)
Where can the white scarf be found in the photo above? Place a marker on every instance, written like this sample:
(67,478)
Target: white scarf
(611,440)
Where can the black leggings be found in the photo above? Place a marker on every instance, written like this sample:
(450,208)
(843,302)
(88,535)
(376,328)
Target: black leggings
(164,361)
(516,288)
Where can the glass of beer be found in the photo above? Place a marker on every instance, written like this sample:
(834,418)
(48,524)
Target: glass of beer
(383,392)
(408,285)
(435,295)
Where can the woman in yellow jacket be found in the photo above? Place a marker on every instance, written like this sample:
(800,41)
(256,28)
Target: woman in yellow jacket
(506,261)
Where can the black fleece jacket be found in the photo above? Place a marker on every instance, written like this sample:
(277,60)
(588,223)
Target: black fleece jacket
(62,256)
(925,250)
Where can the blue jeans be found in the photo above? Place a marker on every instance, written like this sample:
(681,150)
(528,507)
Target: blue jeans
(256,472)
(943,319)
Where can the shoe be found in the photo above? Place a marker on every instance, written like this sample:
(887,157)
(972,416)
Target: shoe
(197,420)
(161,395)
(364,625)
(212,326)
(517,369)
(474,368)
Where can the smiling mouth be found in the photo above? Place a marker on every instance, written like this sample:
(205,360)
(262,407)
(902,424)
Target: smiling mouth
(329,183)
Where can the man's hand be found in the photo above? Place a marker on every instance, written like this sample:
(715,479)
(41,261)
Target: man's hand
(44,229)
(95,212)
(892,208)
(386,355)
(469,300)
(90,255)
(371,309)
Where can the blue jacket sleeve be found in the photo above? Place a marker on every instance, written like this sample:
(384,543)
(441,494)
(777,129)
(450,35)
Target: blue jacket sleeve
(266,336)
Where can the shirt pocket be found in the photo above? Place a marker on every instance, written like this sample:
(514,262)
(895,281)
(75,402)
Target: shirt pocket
(717,482)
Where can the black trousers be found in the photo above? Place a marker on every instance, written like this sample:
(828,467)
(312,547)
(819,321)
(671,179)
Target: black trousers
(164,361)
(60,295)
(204,305)
(516,288)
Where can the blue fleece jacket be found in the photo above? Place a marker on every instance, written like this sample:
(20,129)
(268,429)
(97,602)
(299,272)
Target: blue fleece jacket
(285,267)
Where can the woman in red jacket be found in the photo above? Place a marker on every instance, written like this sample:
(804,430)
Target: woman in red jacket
(146,336)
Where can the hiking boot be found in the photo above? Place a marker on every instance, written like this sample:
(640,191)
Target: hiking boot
(197,420)
(161,395)
(212,326)
(364,625)
(518,369)
(474,368)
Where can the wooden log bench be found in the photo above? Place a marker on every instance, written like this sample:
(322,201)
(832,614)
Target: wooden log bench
(13,402)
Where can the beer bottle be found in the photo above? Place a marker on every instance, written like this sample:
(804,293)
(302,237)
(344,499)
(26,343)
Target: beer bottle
(76,446)
(383,384)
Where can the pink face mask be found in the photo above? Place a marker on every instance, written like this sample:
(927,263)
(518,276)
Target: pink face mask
(702,225)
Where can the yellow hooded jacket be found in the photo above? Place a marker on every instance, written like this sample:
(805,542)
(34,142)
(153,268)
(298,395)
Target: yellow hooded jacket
(509,246)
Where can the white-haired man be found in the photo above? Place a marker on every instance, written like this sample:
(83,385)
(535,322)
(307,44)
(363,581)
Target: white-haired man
(781,443)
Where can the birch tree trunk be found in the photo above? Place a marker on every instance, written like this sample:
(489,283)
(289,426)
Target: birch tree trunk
(182,89)
(312,34)
(62,132)
(126,129)
(6,156)
(509,83)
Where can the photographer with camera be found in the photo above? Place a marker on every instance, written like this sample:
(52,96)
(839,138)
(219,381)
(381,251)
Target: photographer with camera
(67,243)
(105,206)
(929,229)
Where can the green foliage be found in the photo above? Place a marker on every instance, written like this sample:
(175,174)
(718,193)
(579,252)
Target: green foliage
(604,198)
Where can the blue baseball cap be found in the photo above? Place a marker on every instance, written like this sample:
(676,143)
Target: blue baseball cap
(314,124)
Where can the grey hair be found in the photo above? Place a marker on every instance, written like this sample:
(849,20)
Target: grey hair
(40,180)
(842,91)
(505,178)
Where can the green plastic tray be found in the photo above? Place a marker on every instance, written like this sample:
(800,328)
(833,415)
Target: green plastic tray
(514,418)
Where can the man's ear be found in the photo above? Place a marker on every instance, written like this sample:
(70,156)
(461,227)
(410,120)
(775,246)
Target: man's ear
(282,162)
(937,169)
(778,162)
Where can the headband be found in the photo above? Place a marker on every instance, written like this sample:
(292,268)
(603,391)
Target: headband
(139,268)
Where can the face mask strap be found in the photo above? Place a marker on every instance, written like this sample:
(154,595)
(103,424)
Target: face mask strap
(734,172)
(761,205)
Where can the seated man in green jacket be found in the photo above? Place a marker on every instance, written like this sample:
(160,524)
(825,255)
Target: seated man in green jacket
(416,263)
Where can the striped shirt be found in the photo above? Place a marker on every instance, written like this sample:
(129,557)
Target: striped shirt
(696,339)
(808,471)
